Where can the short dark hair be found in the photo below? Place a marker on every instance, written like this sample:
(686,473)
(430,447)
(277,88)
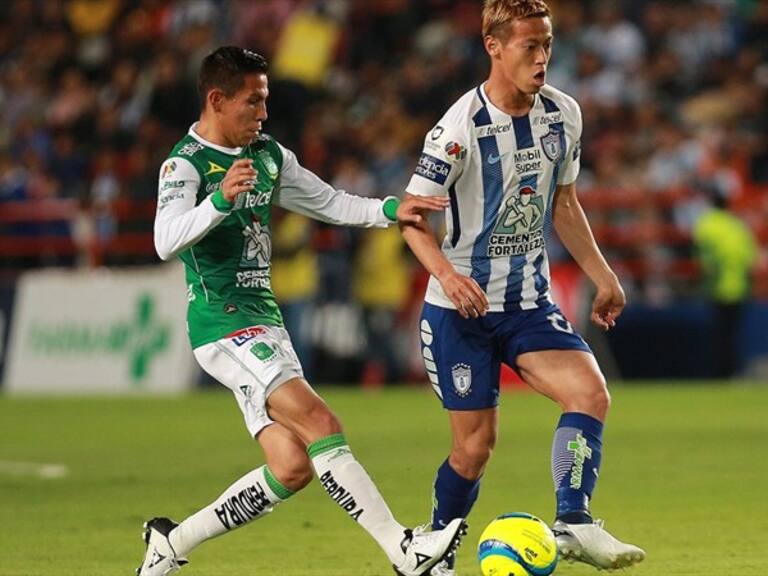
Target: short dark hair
(225,68)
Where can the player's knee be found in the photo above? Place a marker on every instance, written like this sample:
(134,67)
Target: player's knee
(294,472)
(602,401)
(469,459)
(594,399)
(322,421)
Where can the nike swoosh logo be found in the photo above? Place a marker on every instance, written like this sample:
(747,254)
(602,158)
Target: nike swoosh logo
(494,159)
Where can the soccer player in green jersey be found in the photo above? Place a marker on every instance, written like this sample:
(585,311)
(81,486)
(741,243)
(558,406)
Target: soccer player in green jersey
(216,192)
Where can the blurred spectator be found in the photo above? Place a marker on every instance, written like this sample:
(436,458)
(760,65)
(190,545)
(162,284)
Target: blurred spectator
(674,98)
(173,100)
(616,41)
(381,286)
(294,279)
(728,254)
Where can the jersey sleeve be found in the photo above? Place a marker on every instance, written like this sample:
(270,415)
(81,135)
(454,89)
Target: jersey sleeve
(572,162)
(441,162)
(304,192)
(179,223)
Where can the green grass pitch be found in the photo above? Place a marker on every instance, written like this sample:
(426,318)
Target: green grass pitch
(685,475)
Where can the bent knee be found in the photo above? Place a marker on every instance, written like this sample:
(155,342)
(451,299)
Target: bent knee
(469,460)
(323,421)
(593,399)
(294,474)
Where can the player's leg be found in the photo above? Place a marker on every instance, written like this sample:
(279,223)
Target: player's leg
(573,380)
(286,471)
(256,493)
(463,367)
(457,483)
(555,361)
(299,408)
(247,499)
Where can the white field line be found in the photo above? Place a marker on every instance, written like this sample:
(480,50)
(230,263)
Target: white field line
(44,470)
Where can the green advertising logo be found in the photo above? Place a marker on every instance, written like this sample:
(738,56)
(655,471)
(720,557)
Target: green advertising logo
(262,351)
(139,339)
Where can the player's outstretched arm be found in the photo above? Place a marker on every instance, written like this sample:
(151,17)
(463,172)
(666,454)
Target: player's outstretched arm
(573,229)
(410,211)
(464,292)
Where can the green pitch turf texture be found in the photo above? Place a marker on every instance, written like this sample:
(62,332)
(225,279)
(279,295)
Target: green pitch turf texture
(685,476)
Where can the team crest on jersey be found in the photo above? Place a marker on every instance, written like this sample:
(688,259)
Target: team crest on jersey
(269,164)
(552,143)
(462,379)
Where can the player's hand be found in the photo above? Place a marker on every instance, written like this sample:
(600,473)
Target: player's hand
(240,177)
(409,211)
(608,304)
(465,293)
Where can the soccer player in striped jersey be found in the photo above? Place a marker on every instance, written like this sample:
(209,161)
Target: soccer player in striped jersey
(507,155)
(216,192)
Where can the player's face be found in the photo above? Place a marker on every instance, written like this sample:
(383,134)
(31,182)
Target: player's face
(524,56)
(242,114)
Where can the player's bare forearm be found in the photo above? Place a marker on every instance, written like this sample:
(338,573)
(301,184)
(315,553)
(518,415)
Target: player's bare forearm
(576,235)
(421,240)
(464,292)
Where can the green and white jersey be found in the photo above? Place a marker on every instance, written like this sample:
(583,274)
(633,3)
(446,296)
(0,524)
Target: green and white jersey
(227,247)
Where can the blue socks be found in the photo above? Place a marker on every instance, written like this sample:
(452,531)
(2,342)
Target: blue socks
(453,497)
(576,454)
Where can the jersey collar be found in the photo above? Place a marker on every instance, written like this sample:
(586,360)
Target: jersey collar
(497,111)
(193,132)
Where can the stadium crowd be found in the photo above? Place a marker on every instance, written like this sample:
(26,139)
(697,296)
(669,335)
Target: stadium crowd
(93,94)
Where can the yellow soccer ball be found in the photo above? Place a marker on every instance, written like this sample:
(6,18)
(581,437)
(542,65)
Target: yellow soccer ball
(517,544)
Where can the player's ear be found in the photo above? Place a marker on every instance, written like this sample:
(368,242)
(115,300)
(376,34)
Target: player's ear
(215,99)
(492,45)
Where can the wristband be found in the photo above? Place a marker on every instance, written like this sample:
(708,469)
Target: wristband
(389,207)
(220,203)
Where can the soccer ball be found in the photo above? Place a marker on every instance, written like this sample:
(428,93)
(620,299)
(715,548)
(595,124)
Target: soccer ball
(517,544)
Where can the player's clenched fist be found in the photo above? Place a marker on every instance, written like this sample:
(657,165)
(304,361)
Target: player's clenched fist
(239,178)
(465,293)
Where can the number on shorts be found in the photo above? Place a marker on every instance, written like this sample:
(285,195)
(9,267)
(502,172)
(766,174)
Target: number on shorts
(559,323)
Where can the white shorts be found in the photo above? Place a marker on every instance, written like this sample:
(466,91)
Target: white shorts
(253,363)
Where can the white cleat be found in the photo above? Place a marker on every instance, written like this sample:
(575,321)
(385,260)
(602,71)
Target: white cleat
(443,568)
(424,549)
(592,544)
(160,558)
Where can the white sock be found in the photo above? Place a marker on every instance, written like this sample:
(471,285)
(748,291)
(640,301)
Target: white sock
(347,483)
(249,498)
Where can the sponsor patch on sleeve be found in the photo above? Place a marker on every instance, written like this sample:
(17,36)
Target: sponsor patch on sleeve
(433,169)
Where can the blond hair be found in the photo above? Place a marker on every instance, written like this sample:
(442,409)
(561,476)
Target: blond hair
(499,14)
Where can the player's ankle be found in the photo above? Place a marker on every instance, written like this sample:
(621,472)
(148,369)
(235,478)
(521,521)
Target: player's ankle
(576,517)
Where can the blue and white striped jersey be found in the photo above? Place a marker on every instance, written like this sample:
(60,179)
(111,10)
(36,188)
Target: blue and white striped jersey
(501,173)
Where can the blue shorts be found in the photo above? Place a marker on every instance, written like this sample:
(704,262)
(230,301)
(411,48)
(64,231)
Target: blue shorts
(463,356)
